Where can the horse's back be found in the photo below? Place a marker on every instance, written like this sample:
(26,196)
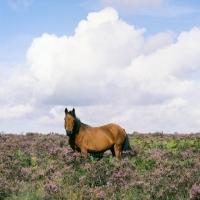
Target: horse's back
(115,129)
(112,133)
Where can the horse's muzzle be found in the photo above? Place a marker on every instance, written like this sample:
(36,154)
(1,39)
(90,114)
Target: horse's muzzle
(69,133)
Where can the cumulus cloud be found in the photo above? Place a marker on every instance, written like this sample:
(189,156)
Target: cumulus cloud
(158,41)
(80,64)
(110,72)
(9,112)
(54,118)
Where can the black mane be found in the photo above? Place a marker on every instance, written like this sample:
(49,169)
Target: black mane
(77,125)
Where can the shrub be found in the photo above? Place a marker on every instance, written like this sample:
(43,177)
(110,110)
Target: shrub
(162,166)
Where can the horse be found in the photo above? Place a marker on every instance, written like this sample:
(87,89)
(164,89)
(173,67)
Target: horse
(84,139)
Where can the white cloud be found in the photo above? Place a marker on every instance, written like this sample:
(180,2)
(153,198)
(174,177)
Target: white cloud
(158,41)
(109,72)
(55,116)
(78,65)
(9,112)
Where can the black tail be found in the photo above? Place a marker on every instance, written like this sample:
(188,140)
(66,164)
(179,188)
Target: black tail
(126,145)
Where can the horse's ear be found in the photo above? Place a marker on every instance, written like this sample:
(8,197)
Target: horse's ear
(66,111)
(73,111)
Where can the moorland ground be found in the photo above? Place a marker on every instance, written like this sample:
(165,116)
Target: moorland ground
(161,166)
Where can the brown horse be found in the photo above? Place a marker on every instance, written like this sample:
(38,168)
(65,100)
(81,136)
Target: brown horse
(86,139)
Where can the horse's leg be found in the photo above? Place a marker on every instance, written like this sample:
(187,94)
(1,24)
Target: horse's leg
(112,151)
(117,149)
(77,155)
(84,153)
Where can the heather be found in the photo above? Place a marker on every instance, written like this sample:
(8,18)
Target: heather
(161,166)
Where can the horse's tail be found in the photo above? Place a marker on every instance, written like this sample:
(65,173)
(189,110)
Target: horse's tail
(126,145)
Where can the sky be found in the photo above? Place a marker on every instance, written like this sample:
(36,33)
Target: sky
(133,63)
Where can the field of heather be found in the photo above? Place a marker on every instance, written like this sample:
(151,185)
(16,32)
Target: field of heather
(162,166)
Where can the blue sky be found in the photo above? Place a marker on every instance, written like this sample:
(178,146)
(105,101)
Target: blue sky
(126,57)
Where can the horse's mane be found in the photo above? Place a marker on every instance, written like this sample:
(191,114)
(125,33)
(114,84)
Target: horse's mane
(77,123)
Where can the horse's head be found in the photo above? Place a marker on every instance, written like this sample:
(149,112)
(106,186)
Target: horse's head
(70,117)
